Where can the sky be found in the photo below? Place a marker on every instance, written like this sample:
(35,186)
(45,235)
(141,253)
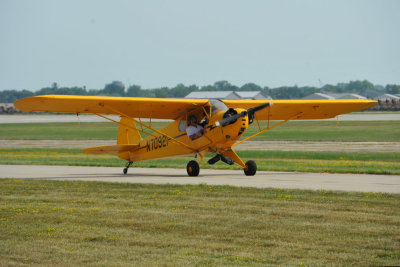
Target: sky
(163,43)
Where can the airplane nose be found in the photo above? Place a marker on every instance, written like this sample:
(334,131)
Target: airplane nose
(232,115)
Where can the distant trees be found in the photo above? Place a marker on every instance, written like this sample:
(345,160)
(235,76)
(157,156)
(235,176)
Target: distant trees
(392,89)
(62,91)
(180,90)
(114,89)
(293,92)
(224,86)
(251,87)
(358,87)
(134,91)
(10,96)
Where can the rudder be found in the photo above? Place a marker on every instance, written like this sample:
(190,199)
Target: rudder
(128,132)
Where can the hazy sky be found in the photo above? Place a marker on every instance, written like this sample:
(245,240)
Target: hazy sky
(163,43)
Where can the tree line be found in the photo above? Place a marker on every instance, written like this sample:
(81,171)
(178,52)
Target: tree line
(364,88)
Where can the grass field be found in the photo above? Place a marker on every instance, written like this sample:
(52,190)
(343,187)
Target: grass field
(294,130)
(371,163)
(52,223)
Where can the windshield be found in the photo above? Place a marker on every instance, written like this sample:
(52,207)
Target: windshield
(217,105)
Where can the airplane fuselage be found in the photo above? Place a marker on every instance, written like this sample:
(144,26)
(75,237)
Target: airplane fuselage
(174,139)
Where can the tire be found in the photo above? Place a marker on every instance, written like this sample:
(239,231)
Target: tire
(125,171)
(193,168)
(251,168)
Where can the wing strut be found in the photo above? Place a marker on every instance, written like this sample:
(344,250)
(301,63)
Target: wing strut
(126,125)
(149,127)
(267,129)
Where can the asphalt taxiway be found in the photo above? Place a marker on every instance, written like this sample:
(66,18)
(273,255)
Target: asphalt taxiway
(263,179)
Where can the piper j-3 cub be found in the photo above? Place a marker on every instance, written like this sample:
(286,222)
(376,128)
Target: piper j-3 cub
(225,123)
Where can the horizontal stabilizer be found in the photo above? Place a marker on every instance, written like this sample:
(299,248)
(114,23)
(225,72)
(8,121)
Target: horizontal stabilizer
(115,149)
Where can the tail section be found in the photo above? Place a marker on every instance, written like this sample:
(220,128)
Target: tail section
(127,141)
(128,134)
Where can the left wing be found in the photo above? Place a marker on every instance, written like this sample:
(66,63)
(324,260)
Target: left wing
(301,109)
(136,107)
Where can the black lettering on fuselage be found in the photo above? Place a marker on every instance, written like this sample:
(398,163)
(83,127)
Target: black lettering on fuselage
(157,142)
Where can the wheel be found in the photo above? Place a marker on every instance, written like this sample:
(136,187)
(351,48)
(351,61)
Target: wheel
(251,168)
(193,168)
(125,170)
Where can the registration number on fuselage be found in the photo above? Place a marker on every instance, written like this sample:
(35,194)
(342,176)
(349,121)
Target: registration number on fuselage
(157,142)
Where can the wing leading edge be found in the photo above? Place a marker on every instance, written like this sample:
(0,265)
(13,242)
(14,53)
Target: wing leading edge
(302,109)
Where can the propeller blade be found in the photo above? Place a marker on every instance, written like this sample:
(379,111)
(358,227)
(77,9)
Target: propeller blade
(260,107)
(230,119)
(251,111)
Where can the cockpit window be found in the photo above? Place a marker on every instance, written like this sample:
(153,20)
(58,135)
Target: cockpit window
(182,125)
(217,105)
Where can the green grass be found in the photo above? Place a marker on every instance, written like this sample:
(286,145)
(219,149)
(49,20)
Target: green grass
(37,131)
(68,223)
(294,130)
(331,131)
(372,163)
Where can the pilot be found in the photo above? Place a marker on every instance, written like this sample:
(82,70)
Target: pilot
(194,130)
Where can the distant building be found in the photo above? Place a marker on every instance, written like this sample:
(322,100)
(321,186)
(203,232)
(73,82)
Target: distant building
(347,96)
(229,95)
(318,96)
(372,94)
(253,95)
(333,96)
(385,97)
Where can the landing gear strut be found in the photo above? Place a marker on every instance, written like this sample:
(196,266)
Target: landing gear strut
(127,167)
(193,168)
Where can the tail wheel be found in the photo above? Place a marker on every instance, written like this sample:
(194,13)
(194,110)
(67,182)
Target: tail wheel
(251,168)
(193,168)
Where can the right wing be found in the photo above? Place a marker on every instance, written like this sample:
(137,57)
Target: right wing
(302,109)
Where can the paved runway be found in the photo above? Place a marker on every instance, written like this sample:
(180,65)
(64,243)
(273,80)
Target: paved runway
(263,179)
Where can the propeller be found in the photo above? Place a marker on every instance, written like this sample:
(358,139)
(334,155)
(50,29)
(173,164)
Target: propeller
(251,111)
(231,115)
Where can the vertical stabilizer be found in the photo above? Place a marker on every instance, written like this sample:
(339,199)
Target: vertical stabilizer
(127,132)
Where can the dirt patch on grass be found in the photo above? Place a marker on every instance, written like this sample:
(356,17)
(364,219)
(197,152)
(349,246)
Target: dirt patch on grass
(312,146)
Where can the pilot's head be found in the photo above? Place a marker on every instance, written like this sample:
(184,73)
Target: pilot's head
(192,120)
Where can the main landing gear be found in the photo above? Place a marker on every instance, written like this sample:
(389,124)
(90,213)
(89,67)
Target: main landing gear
(127,167)
(251,168)
(193,168)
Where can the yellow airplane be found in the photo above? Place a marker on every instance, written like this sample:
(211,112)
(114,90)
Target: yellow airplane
(224,122)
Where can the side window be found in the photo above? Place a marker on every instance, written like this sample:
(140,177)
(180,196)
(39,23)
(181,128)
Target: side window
(182,126)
